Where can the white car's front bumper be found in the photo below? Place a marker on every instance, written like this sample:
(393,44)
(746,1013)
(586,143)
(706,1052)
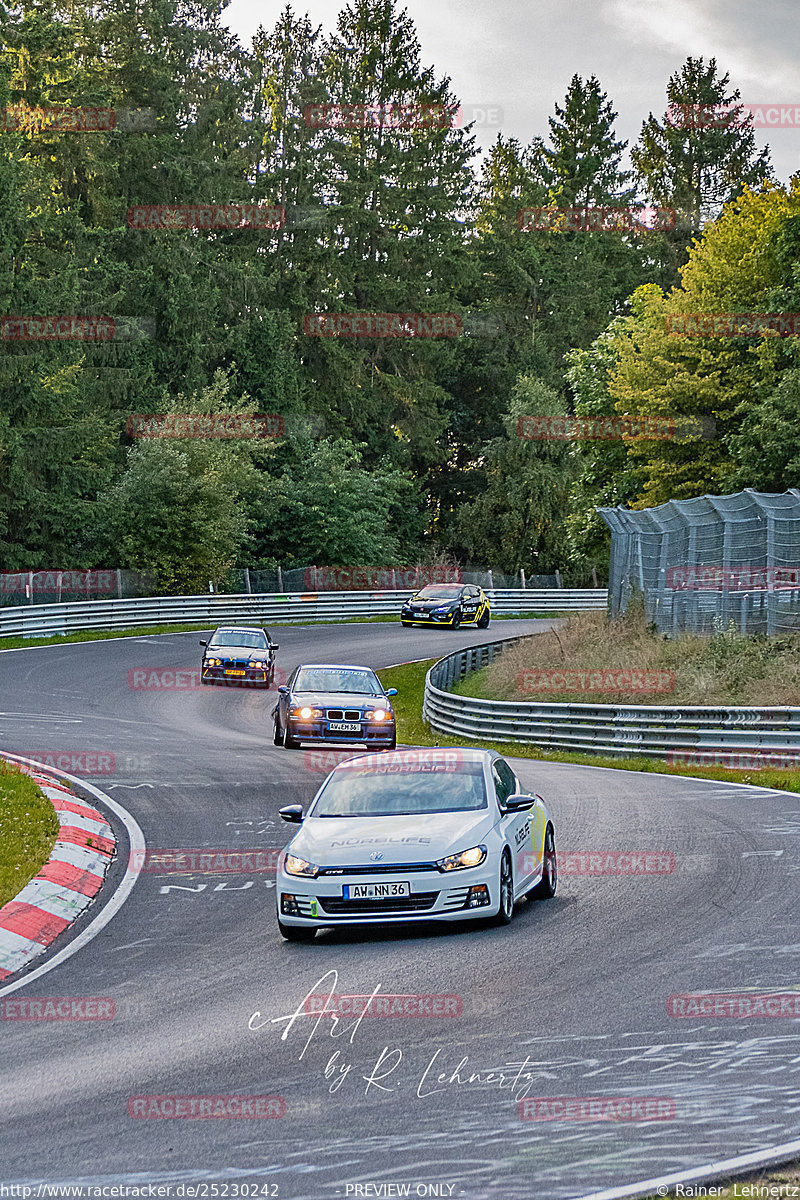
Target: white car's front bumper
(435,896)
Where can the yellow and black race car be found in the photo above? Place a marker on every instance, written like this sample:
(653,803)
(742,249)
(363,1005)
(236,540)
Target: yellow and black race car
(450,604)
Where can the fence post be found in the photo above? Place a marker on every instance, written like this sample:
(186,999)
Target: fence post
(247,581)
(594,577)
(491,580)
(29,586)
(58,584)
(119,584)
(522,577)
(280,580)
(558,578)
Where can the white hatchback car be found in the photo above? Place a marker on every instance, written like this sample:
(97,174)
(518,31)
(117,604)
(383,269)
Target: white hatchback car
(414,835)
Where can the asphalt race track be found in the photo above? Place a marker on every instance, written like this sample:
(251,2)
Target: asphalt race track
(572,996)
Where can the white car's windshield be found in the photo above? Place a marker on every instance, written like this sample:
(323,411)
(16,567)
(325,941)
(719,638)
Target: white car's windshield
(239,637)
(331,679)
(397,790)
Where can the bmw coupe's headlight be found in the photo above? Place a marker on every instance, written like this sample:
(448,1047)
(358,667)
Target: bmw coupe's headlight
(467,858)
(213,662)
(258,664)
(378,714)
(298,866)
(305,713)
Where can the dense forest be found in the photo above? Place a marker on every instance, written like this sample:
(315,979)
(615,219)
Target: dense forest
(378,449)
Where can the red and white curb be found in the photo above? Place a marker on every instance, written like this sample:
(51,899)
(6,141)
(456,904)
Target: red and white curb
(66,884)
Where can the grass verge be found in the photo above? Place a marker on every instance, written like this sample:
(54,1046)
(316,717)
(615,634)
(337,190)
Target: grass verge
(28,829)
(626,661)
(409,679)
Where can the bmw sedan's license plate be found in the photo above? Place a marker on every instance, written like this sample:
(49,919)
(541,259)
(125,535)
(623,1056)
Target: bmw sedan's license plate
(344,727)
(374,891)
(234,672)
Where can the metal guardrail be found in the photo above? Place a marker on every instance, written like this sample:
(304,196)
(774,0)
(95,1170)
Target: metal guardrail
(700,732)
(47,620)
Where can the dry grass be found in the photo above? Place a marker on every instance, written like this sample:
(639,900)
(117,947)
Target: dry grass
(723,669)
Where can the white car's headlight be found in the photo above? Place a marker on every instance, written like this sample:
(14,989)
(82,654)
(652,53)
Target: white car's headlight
(299,866)
(467,858)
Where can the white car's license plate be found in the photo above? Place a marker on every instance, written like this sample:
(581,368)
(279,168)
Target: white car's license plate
(375,891)
(344,726)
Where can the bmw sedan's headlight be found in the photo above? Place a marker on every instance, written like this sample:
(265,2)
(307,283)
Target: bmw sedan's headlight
(306,714)
(378,714)
(467,858)
(298,866)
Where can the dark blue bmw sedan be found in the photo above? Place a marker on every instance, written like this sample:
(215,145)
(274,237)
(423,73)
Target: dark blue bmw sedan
(324,702)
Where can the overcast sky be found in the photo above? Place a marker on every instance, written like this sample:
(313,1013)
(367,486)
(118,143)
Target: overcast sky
(514,58)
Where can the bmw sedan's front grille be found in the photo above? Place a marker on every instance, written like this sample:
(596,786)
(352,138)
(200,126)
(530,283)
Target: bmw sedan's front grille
(379,869)
(344,714)
(336,906)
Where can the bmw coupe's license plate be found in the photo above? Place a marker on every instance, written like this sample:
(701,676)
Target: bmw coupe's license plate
(344,727)
(234,672)
(375,891)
